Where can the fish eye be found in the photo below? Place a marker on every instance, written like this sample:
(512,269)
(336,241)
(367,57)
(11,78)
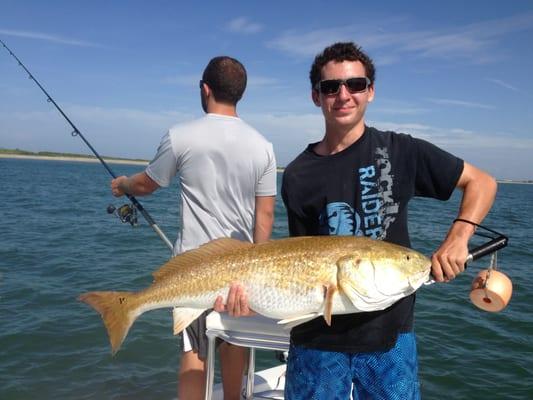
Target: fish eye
(408,258)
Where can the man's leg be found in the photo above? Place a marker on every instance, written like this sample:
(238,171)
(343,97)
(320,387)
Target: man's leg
(191,377)
(233,361)
(192,372)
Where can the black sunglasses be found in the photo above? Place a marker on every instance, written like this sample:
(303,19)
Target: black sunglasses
(332,86)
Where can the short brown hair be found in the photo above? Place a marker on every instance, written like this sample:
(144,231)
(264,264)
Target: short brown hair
(226,77)
(341,51)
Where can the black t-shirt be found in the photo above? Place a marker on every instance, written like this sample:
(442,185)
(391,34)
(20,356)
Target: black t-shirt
(364,190)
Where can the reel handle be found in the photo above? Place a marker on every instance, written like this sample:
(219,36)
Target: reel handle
(488,248)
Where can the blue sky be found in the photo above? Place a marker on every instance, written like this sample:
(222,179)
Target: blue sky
(457,73)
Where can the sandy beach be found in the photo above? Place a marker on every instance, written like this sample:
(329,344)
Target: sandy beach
(82,159)
(75,159)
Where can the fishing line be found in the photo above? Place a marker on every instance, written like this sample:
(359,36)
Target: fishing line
(125,215)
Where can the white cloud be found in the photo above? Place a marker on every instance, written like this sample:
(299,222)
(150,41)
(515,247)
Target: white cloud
(394,107)
(289,133)
(117,132)
(459,137)
(49,38)
(308,126)
(183,80)
(309,43)
(244,25)
(504,155)
(260,81)
(136,133)
(461,103)
(472,42)
(503,84)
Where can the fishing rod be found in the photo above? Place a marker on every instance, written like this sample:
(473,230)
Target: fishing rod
(125,213)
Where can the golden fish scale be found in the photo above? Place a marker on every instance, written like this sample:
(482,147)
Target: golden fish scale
(261,263)
(310,261)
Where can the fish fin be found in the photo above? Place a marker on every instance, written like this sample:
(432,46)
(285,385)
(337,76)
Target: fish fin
(183,317)
(194,257)
(351,276)
(289,323)
(117,311)
(331,289)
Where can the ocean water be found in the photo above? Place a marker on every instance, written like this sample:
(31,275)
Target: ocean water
(57,241)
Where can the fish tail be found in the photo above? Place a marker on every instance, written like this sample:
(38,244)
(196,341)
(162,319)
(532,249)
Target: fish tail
(117,311)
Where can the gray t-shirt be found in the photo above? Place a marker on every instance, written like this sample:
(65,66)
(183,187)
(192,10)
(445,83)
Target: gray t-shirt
(223,164)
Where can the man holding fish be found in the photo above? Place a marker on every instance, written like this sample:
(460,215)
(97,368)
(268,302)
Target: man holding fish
(358,181)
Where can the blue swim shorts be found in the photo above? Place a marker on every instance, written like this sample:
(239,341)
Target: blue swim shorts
(325,375)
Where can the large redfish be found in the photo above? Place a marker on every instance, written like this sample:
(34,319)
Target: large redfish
(292,279)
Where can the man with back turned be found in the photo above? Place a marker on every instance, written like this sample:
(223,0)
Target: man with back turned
(227,178)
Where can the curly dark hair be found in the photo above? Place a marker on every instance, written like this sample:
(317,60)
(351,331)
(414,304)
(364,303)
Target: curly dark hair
(341,51)
(226,77)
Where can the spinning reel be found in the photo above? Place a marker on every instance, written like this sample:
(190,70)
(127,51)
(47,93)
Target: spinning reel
(127,213)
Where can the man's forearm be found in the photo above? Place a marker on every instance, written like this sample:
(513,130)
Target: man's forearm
(136,185)
(479,191)
(264,218)
(263,230)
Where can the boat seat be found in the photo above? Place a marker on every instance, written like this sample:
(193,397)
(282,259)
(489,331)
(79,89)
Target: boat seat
(256,332)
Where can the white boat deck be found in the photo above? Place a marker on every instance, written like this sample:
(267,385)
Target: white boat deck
(255,332)
(268,384)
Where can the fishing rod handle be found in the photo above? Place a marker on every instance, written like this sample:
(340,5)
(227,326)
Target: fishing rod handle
(488,248)
(163,237)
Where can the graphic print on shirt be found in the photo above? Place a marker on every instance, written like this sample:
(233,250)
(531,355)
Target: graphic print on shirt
(339,218)
(375,210)
(377,204)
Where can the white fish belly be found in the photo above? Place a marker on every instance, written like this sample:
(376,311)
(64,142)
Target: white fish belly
(285,302)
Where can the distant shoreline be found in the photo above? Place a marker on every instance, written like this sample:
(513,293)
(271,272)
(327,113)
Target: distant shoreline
(514,182)
(143,162)
(75,159)
(81,159)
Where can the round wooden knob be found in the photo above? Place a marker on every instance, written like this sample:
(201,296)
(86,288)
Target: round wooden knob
(491,290)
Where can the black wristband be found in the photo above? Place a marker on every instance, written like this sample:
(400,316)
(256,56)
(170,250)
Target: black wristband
(465,220)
